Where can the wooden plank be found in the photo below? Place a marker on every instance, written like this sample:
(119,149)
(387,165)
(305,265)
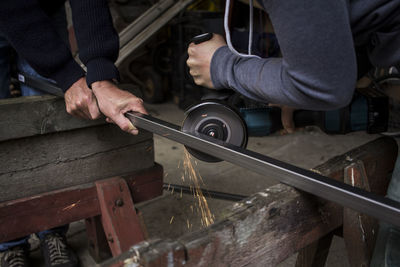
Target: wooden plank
(359,230)
(36,115)
(60,207)
(118,216)
(46,211)
(271,225)
(49,162)
(30,153)
(315,254)
(29,116)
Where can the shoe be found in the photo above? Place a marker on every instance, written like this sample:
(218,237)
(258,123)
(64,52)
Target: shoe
(14,257)
(56,251)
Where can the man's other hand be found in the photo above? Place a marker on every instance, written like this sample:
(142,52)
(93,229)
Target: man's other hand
(114,103)
(81,102)
(199,60)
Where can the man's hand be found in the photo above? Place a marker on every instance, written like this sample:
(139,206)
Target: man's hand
(199,60)
(80,101)
(114,102)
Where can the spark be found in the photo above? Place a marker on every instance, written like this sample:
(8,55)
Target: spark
(170,221)
(195,178)
(71,206)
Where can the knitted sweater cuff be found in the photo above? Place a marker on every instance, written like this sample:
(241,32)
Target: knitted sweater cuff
(101,69)
(68,75)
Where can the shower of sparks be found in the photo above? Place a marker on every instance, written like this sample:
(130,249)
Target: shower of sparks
(196,181)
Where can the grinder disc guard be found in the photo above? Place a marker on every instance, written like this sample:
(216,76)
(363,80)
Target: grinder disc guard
(218,120)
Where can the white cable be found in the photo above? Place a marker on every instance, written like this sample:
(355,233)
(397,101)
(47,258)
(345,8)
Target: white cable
(251,16)
(228,34)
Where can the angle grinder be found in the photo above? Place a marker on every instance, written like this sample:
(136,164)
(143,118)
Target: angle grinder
(218,120)
(214,118)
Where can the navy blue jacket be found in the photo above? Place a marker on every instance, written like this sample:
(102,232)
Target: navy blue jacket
(26,25)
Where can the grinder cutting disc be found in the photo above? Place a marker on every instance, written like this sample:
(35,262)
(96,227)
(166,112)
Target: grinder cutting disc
(218,120)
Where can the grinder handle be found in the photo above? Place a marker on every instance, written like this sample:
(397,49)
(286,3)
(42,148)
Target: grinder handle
(202,38)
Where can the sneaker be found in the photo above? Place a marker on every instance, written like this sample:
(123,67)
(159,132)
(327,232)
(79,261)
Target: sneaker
(56,251)
(14,257)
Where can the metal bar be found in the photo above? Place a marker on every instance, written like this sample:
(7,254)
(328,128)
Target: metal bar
(40,84)
(143,21)
(377,206)
(206,192)
(151,29)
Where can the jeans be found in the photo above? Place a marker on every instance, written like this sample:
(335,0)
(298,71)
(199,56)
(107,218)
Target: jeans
(387,246)
(60,23)
(22,66)
(4,68)
(62,230)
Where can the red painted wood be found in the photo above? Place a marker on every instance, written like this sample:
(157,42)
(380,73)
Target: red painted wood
(98,246)
(24,216)
(146,184)
(120,222)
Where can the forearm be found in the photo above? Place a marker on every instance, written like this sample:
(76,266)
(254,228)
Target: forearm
(318,68)
(31,33)
(97,39)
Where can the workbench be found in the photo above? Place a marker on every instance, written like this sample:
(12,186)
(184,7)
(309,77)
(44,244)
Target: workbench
(56,169)
(269,226)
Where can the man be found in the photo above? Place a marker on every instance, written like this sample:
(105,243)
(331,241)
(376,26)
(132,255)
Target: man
(53,242)
(325,46)
(29,30)
(27,26)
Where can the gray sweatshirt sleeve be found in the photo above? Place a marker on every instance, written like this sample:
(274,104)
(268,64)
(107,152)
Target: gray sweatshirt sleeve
(317,70)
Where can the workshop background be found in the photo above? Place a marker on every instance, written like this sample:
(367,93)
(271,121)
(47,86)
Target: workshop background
(153,67)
